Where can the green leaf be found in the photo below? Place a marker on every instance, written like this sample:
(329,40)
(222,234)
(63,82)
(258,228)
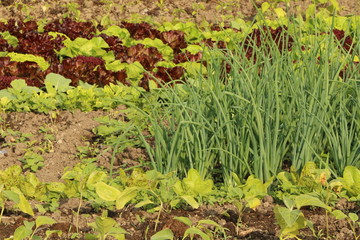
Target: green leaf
(144,203)
(308,200)
(104,225)
(20,85)
(339,214)
(12,40)
(42,220)
(165,234)
(24,205)
(354,217)
(56,187)
(191,201)
(209,222)
(184,220)
(125,196)
(114,30)
(351,179)
(13,196)
(286,217)
(265,6)
(19,57)
(56,83)
(310,11)
(106,192)
(193,49)
(280,12)
(194,230)
(22,232)
(290,221)
(194,183)
(94,178)
(253,202)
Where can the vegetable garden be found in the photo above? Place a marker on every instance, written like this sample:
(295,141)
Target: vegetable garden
(137,129)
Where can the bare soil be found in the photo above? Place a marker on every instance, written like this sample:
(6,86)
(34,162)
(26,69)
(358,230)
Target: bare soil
(71,130)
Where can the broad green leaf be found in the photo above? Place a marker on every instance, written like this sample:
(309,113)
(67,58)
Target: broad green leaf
(144,203)
(265,6)
(106,192)
(94,178)
(116,230)
(290,221)
(19,57)
(289,202)
(338,214)
(24,205)
(286,217)
(193,49)
(351,180)
(12,40)
(178,188)
(280,12)
(209,222)
(310,11)
(13,196)
(194,230)
(22,232)
(191,201)
(55,83)
(125,196)
(165,234)
(56,187)
(21,86)
(104,224)
(42,220)
(114,30)
(307,200)
(194,183)
(354,217)
(184,220)
(253,203)
(239,24)
(193,68)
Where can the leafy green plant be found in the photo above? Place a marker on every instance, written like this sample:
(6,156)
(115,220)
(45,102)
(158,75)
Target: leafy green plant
(291,219)
(193,186)
(32,161)
(353,220)
(80,182)
(105,226)
(201,228)
(350,180)
(311,179)
(26,231)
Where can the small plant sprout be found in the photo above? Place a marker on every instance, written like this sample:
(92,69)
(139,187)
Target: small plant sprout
(105,226)
(26,231)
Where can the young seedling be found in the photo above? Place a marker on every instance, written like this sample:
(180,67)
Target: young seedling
(353,220)
(33,161)
(201,229)
(105,226)
(26,231)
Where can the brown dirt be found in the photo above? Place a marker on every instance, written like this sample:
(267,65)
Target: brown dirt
(74,129)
